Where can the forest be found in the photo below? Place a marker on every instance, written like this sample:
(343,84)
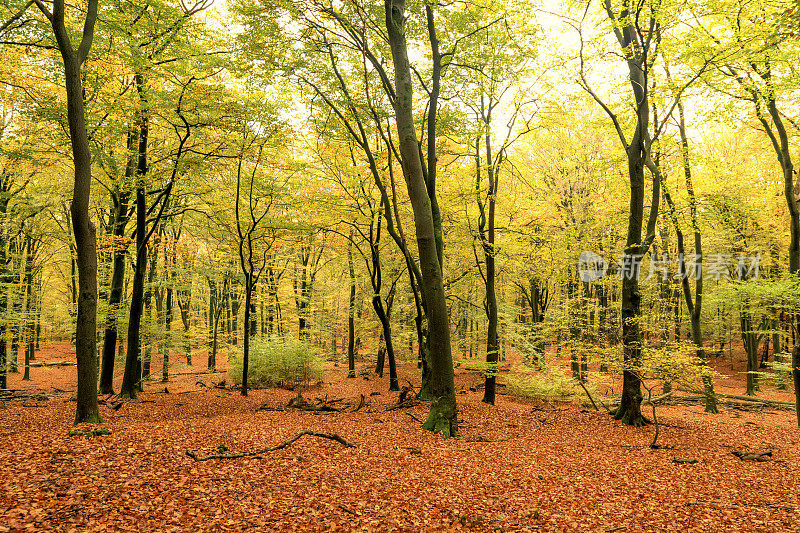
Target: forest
(424,265)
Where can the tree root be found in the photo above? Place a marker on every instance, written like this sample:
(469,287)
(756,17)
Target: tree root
(284,444)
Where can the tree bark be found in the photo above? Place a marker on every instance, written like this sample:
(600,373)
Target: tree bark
(442,416)
(351,312)
(133,374)
(486,233)
(121,198)
(83,228)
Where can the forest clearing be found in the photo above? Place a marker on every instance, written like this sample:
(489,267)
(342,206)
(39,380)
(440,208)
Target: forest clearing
(519,466)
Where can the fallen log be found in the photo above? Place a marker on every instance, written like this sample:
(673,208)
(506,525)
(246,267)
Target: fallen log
(753,399)
(744,398)
(52,363)
(760,456)
(10,394)
(284,444)
(730,400)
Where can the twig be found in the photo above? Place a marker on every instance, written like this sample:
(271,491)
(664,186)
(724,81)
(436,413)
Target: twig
(346,509)
(284,444)
(590,396)
(414,417)
(410,402)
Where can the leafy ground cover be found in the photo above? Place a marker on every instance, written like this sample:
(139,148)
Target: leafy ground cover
(518,466)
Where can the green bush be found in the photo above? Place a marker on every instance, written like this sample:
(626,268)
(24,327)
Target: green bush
(284,363)
(549,385)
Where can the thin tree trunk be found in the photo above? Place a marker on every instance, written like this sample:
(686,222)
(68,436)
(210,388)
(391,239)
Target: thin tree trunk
(351,312)
(117,277)
(248,292)
(133,374)
(168,317)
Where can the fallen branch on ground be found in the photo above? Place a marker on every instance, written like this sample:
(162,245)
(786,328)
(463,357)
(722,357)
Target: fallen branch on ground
(320,404)
(360,404)
(415,418)
(11,394)
(592,399)
(407,398)
(758,455)
(52,363)
(284,444)
(728,400)
(750,399)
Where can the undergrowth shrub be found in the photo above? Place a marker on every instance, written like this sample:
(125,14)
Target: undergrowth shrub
(549,385)
(283,363)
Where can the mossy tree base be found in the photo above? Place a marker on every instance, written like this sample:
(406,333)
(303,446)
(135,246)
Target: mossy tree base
(442,418)
(631,417)
(88,418)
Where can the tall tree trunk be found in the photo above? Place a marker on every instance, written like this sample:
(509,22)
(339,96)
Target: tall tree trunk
(168,258)
(27,324)
(133,374)
(151,324)
(119,251)
(351,312)
(442,417)
(486,233)
(386,331)
(248,294)
(5,279)
(184,299)
(83,228)
(796,378)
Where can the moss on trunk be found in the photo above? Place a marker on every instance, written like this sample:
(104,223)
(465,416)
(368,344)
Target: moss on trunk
(442,418)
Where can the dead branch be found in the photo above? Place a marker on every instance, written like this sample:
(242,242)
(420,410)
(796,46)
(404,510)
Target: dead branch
(9,394)
(407,398)
(360,404)
(758,455)
(729,400)
(414,417)
(592,399)
(319,405)
(284,444)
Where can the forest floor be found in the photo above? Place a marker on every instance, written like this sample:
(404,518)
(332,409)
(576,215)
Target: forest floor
(519,466)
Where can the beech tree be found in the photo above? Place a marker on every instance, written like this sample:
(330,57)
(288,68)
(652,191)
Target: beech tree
(84,230)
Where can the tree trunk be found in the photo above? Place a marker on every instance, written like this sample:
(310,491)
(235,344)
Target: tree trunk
(442,416)
(133,374)
(117,279)
(248,294)
(387,338)
(796,378)
(83,228)
(151,324)
(168,320)
(486,232)
(351,313)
